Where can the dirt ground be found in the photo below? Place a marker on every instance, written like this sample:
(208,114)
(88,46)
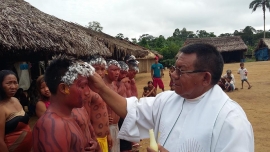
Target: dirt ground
(254,101)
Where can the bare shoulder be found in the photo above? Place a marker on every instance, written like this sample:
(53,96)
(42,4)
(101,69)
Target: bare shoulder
(40,103)
(15,101)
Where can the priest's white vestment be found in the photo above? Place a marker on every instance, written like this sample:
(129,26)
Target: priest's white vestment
(215,124)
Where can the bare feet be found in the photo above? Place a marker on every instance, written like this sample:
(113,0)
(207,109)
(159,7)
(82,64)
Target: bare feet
(249,87)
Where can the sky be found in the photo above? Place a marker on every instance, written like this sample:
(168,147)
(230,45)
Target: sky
(157,17)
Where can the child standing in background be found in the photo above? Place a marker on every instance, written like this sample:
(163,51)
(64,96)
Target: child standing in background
(243,74)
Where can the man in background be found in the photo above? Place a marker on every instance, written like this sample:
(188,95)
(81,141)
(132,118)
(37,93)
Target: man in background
(157,73)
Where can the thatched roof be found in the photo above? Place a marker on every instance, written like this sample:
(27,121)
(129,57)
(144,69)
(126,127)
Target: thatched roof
(263,43)
(25,30)
(223,44)
(120,47)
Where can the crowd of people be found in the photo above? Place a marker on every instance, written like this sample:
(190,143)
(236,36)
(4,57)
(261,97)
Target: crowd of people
(81,106)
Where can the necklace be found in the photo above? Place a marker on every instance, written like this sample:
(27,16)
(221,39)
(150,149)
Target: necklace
(174,123)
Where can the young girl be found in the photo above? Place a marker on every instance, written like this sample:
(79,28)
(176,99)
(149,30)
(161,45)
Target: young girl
(152,89)
(44,96)
(172,69)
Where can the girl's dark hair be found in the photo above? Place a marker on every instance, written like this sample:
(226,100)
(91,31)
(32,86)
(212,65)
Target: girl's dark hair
(150,82)
(40,80)
(3,74)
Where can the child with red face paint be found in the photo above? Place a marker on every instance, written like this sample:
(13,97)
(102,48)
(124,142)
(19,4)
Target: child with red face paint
(97,109)
(123,81)
(110,79)
(133,70)
(60,128)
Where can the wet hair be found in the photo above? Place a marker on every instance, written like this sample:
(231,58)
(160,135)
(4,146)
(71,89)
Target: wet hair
(114,62)
(208,59)
(150,82)
(123,65)
(39,81)
(98,60)
(56,70)
(145,88)
(64,69)
(3,74)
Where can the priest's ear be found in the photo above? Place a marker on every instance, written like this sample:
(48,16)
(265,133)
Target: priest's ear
(63,88)
(207,78)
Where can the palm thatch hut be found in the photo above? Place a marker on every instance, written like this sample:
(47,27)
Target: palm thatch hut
(27,34)
(119,47)
(262,50)
(231,48)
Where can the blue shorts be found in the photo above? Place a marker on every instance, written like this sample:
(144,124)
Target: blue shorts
(244,80)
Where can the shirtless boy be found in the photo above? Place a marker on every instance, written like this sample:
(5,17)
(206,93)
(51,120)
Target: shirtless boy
(133,70)
(110,80)
(123,81)
(97,109)
(57,130)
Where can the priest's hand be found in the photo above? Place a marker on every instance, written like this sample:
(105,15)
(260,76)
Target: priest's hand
(96,83)
(160,149)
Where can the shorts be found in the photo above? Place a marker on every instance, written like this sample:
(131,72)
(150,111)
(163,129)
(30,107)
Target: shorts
(244,80)
(158,82)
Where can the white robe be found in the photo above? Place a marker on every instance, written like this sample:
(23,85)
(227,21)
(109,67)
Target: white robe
(215,124)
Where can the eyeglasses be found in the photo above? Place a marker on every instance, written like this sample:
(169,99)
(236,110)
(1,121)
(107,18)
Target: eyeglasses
(180,72)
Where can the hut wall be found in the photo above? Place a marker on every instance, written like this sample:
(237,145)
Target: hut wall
(145,65)
(232,56)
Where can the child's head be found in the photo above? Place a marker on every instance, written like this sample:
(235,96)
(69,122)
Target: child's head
(150,84)
(145,89)
(67,79)
(99,64)
(123,70)
(113,70)
(229,72)
(242,65)
(42,88)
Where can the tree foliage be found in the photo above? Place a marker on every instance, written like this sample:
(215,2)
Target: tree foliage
(96,26)
(264,4)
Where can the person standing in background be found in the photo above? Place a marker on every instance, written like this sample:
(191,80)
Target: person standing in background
(157,73)
(243,74)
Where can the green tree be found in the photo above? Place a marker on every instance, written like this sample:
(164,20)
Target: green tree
(260,3)
(95,26)
(134,40)
(120,36)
